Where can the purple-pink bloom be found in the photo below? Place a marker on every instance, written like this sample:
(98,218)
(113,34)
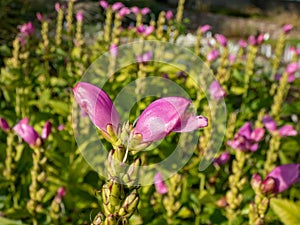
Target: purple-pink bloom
(287,130)
(27,29)
(269,123)
(39,16)
(116,6)
(260,39)
(97,104)
(242,43)
(287,28)
(145,30)
(231,58)
(284,176)
(46,130)
(216,91)
(291,77)
(169,15)
(61,192)
(124,11)
(284,131)
(204,28)
(61,127)
(222,159)
(114,50)
(79,16)
(292,68)
(57,7)
(135,10)
(252,40)
(167,115)
(221,39)
(26,132)
(4,125)
(160,185)
(145,10)
(104,4)
(212,55)
(144,58)
(247,138)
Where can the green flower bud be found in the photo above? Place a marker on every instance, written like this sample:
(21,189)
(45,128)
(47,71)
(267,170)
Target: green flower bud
(129,205)
(41,177)
(40,194)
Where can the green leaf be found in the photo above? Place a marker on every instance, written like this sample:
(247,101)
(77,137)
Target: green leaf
(237,90)
(287,211)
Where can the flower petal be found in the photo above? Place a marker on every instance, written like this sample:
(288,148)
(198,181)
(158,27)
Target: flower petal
(97,104)
(27,132)
(287,130)
(160,185)
(269,123)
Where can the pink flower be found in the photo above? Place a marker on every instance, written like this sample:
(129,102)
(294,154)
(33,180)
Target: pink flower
(144,58)
(292,68)
(145,30)
(97,104)
(158,120)
(27,132)
(57,7)
(124,11)
(39,16)
(242,43)
(231,58)
(222,159)
(61,127)
(284,131)
(114,50)
(204,28)
(287,130)
(61,192)
(260,39)
(104,4)
(116,6)
(135,10)
(287,28)
(216,91)
(221,39)
(284,177)
(27,29)
(46,130)
(79,16)
(291,77)
(246,139)
(169,15)
(213,55)
(269,123)
(252,40)
(145,11)
(167,115)
(4,125)
(160,185)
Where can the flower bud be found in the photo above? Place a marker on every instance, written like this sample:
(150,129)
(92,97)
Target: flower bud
(268,185)
(129,205)
(256,181)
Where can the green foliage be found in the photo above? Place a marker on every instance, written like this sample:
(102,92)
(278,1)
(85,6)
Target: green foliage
(286,210)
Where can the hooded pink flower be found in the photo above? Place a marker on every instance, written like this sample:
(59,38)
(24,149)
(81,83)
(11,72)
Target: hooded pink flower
(212,55)
(222,159)
(39,16)
(104,4)
(246,139)
(169,15)
(252,40)
(160,185)
(292,68)
(284,131)
(4,125)
(27,29)
(124,11)
(242,43)
(167,115)
(221,39)
(216,91)
(260,38)
(116,6)
(145,30)
(159,119)
(135,10)
(287,28)
(284,177)
(145,11)
(144,58)
(97,105)
(291,77)
(57,7)
(26,132)
(79,16)
(46,130)
(204,28)
(114,50)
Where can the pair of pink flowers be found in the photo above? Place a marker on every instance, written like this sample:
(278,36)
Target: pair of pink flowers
(29,134)
(159,119)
